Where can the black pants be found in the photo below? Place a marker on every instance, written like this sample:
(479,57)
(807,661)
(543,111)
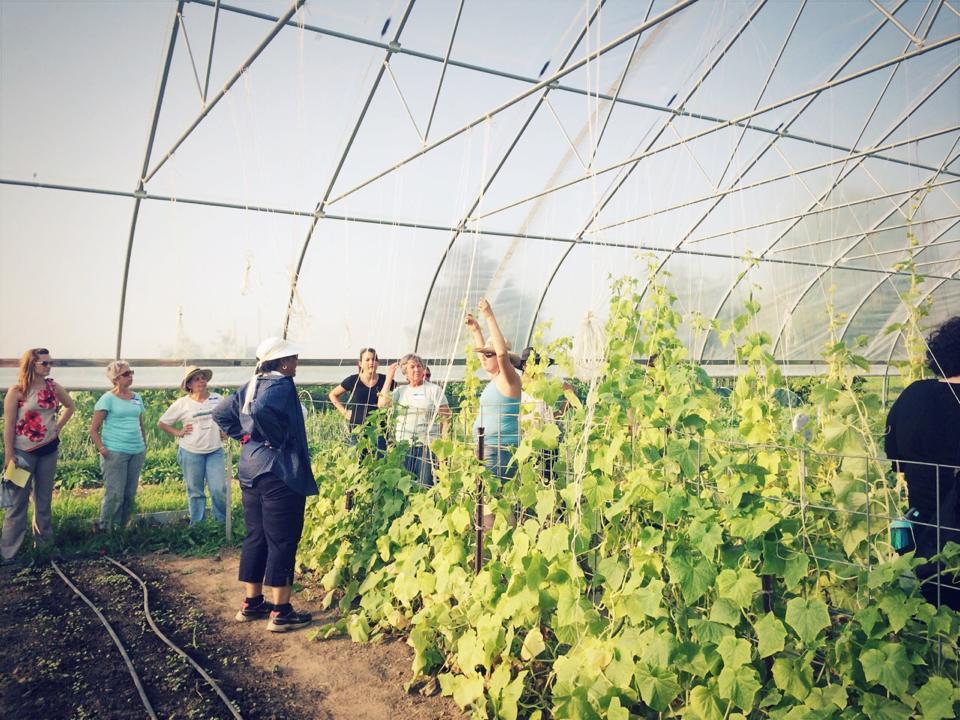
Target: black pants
(273,514)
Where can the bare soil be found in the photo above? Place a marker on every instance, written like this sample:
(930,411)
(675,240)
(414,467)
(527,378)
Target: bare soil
(57,660)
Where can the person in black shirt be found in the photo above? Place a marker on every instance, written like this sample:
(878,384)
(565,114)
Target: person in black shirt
(363,389)
(923,441)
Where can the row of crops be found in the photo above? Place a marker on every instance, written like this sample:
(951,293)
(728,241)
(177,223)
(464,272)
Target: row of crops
(693,557)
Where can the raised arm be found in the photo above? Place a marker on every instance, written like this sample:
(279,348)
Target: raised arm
(385,398)
(474,327)
(508,381)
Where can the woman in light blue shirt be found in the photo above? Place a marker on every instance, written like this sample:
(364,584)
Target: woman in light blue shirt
(499,414)
(117,431)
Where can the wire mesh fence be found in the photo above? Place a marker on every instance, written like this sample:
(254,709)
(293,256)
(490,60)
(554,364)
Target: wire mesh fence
(851,508)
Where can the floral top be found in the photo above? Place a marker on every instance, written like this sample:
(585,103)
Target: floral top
(37,418)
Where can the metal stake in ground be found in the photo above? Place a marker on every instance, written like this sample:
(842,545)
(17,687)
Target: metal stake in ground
(478,517)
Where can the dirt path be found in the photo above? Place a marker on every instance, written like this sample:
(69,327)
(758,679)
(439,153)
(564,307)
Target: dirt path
(345,679)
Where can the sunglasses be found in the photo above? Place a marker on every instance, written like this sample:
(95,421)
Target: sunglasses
(128,373)
(45,363)
(488,354)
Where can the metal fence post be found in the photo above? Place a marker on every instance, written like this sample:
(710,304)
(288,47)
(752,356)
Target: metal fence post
(228,520)
(478,519)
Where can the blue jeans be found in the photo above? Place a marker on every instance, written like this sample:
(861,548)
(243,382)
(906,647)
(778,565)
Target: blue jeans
(496,459)
(121,474)
(419,461)
(200,468)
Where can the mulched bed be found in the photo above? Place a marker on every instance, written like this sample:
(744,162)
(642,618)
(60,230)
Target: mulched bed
(57,660)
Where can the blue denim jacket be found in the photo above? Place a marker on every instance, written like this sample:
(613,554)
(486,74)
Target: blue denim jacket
(277,441)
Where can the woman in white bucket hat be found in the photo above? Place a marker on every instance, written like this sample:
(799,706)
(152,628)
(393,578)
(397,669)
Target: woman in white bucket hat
(200,451)
(275,478)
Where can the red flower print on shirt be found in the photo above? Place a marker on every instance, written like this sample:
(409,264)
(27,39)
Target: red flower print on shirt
(46,398)
(32,427)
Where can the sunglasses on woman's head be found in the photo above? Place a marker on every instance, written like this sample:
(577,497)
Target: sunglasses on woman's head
(46,363)
(488,354)
(128,373)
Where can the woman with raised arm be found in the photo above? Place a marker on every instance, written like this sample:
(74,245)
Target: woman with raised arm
(499,414)
(419,405)
(275,478)
(31,436)
(117,432)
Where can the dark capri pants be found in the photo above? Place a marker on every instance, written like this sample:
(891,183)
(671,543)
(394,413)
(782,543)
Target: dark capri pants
(273,514)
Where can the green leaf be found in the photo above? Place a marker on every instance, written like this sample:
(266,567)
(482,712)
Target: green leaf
(509,693)
(807,617)
(709,632)
(877,707)
(770,635)
(889,666)
(835,694)
(646,601)
(464,690)
(358,628)
(734,651)
(707,536)
(899,609)
(724,611)
(658,686)
(740,685)
(616,711)
(459,519)
(693,573)
(795,569)
(546,500)
(470,652)
(794,677)
(937,698)
(533,644)
(738,586)
(705,704)
(553,541)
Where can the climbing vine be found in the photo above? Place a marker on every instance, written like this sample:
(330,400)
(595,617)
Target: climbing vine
(693,557)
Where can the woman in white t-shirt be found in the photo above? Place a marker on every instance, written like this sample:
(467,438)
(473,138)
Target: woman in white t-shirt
(421,409)
(201,450)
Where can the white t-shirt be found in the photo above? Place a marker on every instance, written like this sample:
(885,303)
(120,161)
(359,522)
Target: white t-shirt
(534,410)
(205,436)
(416,409)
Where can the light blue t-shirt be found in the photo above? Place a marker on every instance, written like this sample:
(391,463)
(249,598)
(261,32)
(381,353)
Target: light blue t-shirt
(121,427)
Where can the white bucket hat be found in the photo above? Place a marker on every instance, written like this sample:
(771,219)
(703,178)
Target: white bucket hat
(274,348)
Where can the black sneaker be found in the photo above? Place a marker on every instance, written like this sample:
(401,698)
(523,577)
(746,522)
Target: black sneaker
(249,612)
(286,622)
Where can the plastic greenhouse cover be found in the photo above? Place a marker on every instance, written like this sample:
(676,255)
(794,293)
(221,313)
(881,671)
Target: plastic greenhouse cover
(176,185)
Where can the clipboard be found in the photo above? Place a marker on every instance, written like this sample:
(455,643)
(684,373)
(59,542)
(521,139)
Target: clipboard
(17,475)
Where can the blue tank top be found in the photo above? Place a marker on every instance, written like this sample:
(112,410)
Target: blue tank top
(499,417)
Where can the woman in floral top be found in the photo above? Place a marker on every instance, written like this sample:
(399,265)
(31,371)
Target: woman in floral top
(31,435)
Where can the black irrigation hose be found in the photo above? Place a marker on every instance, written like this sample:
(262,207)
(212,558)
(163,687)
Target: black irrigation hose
(153,626)
(203,673)
(113,636)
